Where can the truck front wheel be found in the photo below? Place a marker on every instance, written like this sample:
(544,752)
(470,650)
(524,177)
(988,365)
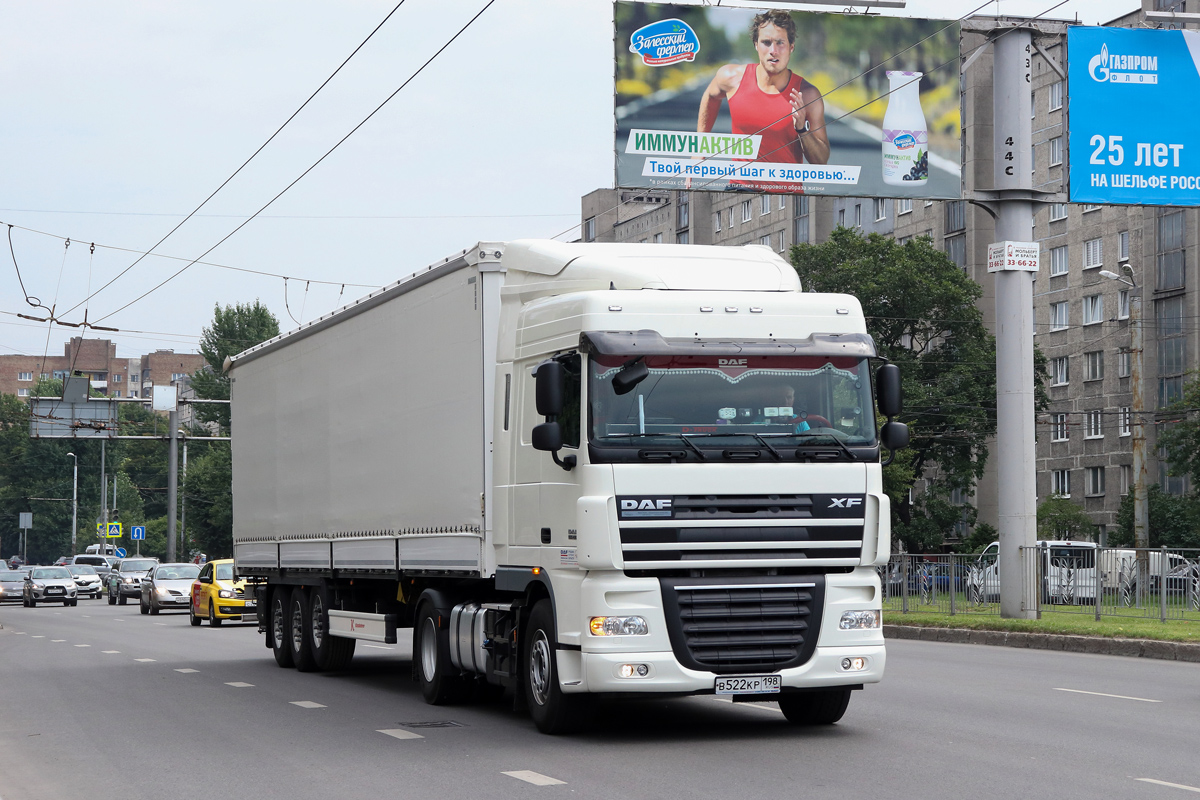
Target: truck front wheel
(824,707)
(552,711)
(431,660)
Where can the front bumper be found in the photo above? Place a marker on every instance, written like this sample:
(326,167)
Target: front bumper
(43,594)
(129,589)
(235,608)
(171,600)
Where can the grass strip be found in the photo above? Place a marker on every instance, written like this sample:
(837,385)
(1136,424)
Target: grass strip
(1072,624)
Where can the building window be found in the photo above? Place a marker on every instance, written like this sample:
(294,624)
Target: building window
(782,202)
(1171,257)
(1094,424)
(1095,481)
(880,211)
(956,216)
(782,244)
(24,376)
(841,217)
(730,225)
(178,376)
(1058,316)
(133,392)
(683,237)
(22,392)
(116,393)
(589,229)
(1058,211)
(1123,246)
(764,204)
(956,249)
(45,376)
(1123,304)
(1126,478)
(1056,151)
(658,238)
(1124,421)
(1059,431)
(903,240)
(1170,350)
(1093,365)
(1089,207)
(685,206)
(1093,253)
(746,212)
(1060,371)
(904,206)
(800,222)
(858,215)
(765,241)
(1058,260)
(60,374)
(1124,361)
(1056,96)
(117,378)
(1060,482)
(717,222)
(1093,309)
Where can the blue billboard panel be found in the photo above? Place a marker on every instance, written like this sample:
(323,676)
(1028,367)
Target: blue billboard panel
(1134,122)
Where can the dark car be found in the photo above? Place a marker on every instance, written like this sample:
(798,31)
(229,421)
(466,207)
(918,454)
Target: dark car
(125,579)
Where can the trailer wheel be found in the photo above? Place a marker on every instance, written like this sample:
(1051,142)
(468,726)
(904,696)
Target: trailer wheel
(299,631)
(552,711)
(329,652)
(815,708)
(431,660)
(278,626)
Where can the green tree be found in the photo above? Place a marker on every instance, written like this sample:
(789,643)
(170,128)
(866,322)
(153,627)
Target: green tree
(1181,435)
(922,311)
(1059,518)
(234,328)
(210,502)
(1174,520)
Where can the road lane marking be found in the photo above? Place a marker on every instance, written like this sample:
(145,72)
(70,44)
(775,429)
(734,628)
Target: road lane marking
(109,652)
(38,636)
(1172,785)
(58,640)
(144,660)
(1102,694)
(187,671)
(400,733)
(160,623)
(536,778)
(379,647)
(306,704)
(239,684)
(83,645)
(18,633)
(729,700)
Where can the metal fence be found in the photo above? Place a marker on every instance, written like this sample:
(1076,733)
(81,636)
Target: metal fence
(1071,578)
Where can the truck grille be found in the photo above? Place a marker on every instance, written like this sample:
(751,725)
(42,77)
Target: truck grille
(748,625)
(763,506)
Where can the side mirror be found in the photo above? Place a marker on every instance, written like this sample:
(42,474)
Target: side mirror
(549,387)
(547,437)
(894,436)
(630,376)
(887,386)
(205,579)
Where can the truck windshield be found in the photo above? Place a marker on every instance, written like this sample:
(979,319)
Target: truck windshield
(788,400)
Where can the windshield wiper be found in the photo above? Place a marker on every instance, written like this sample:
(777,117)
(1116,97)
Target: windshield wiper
(835,439)
(761,438)
(683,437)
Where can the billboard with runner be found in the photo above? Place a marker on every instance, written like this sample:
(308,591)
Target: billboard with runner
(1134,138)
(736,99)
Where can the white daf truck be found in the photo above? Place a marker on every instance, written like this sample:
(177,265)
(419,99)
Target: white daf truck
(575,470)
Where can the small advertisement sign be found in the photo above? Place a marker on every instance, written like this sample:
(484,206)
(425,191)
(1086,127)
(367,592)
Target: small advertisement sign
(779,101)
(1020,256)
(1134,134)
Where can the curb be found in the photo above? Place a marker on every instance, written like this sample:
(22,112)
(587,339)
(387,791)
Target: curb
(1099,645)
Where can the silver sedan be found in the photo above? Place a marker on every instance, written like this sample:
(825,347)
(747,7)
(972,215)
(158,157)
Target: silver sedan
(50,585)
(12,584)
(168,586)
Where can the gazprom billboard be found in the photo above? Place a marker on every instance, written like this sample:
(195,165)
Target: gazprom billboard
(1134,123)
(737,99)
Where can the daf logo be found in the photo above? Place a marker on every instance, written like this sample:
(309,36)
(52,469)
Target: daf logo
(844,502)
(646,505)
(733,362)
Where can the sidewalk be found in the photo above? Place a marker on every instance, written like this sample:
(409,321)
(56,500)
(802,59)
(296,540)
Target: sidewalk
(1138,648)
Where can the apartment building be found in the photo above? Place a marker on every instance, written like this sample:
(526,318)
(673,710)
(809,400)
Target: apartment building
(97,358)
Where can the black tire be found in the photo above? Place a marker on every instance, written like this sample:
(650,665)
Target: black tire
(71,603)
(431,660)
(823,707)
(192,618)
(552,711)
(153,606)
(32,603)
(299,631)
(329,652)
(24,601)
(122,599)
(142,607)
(213,620)
(277,626)
(112,600)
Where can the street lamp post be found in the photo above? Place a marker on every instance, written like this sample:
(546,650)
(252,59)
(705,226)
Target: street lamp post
(1141,503)
(75,505)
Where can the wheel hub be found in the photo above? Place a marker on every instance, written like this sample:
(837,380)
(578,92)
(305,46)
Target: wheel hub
(428,650)
(539,668)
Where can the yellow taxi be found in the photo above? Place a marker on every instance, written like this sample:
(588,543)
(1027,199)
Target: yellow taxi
(216,596)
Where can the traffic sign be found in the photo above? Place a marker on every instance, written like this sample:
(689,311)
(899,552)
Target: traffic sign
(114,530)
(26,518)
(120,552)
(137,532)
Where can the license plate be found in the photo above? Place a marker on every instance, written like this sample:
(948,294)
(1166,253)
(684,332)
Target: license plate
(54,590)
(748,684)
(251,603)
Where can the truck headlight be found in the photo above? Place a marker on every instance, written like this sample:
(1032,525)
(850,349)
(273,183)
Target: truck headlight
(860,620)
(619,626)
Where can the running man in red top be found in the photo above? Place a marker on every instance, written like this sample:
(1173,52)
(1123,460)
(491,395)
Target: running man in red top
(770,100)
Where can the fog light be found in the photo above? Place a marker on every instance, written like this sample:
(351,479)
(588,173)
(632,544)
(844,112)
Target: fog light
(619,626)
(859,620)
(856,664)
(633,670)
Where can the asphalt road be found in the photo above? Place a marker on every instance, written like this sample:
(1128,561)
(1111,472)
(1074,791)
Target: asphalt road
(101,702)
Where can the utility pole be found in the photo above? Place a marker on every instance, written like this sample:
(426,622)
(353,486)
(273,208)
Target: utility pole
(183,505)
(75,505)
(103,503)
(172,480)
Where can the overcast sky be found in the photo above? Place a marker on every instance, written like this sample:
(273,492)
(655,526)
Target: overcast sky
(118,118)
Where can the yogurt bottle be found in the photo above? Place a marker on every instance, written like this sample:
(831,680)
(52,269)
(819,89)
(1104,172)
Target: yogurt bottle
(905,133)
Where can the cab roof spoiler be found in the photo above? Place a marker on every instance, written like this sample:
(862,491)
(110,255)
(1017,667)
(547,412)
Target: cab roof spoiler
(652,343)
